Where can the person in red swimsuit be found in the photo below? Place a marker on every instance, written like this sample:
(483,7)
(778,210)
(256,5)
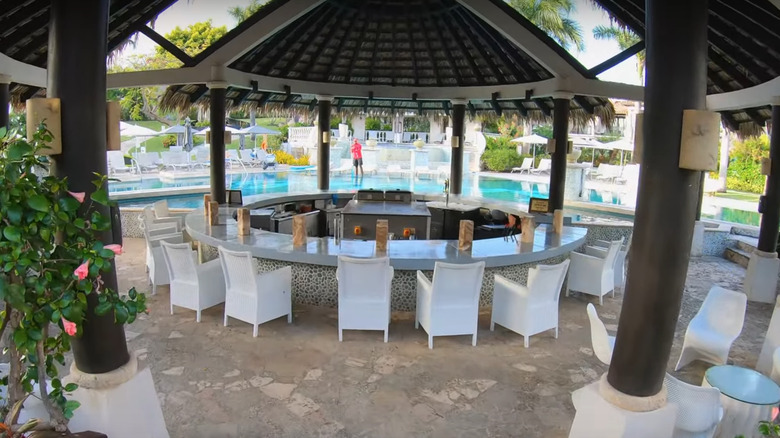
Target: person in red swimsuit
(357,157)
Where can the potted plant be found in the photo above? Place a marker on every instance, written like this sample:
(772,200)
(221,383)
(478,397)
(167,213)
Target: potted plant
(51,260)
(419,143)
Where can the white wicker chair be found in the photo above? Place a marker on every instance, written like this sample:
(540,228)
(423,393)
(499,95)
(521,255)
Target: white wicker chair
(601,342)
(602,246)
(593,275)
(714,328)
(251,297)
(364,294)
(163,214)
(775,375)
(449,305)
(699,410)
(195,287)
(155,261)
(532,309)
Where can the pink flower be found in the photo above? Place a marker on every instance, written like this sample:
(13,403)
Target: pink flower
(82,271)
(775,411)
(114,247)
(78,195)
(70,327)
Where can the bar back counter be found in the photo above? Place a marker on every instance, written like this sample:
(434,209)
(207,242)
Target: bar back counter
(314,264)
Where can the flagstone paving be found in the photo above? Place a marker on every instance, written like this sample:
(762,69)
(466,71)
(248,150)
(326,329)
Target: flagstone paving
(297,380)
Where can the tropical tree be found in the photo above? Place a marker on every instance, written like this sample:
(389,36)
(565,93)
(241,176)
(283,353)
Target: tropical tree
(625,39)
(553,17)
(240,14)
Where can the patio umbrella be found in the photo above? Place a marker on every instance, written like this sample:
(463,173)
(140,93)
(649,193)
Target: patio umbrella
(178,130)
(622,145)
(257,130)
(591,144)
(130,130)
(227,128)
(532,139)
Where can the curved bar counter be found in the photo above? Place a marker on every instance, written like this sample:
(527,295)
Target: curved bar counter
(314,265)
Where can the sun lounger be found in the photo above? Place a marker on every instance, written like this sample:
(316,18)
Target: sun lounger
(544,167)
(148,161)
(116,163)
(528,164)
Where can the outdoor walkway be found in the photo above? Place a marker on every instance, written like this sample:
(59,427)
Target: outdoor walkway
(299,381)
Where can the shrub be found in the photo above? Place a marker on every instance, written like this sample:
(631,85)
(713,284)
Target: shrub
(285,158)
(169,140)
(745,176)
(373,124)
(500,143)
(501,160)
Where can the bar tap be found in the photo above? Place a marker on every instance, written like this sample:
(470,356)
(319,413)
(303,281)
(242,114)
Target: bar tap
(447,192)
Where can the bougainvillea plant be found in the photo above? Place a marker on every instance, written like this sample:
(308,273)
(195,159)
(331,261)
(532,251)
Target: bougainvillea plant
(51,258)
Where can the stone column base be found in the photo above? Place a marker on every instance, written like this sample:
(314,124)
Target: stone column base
(597,417)
(122,403)
(697,244)
(761,277)
(771,342)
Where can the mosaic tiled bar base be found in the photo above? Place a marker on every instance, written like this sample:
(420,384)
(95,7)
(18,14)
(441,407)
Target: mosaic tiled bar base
(317,285)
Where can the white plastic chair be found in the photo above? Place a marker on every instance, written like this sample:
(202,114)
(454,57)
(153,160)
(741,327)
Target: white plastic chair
(545,164)
(775,375)
(155,261)
(251,297)
(532,309)
(364,294)
(195,287)
(528,164)
(449,305)
(699,410)
(593,275)
(601,342)
(714,328)
(602,246)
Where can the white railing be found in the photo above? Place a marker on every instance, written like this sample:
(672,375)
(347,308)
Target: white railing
(302,136)
(380,136)
(410,137)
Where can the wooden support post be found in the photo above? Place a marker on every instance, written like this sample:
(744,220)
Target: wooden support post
(217,108)
(5,100)
(770,214)
(323,142)
(558,160)
(78,36)
(466,235)
(299,230)
(382,230)
(676,38)
(527,229)
(206,206)
(243,222)
(458,131)
(213,213)
(558,221)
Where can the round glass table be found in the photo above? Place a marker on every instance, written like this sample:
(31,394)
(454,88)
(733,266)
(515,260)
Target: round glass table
(747,397)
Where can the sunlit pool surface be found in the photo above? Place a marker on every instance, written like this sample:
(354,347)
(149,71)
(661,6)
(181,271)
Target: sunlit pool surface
(284,182)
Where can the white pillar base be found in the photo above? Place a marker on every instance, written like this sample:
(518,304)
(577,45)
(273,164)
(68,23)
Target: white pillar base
(596,417)
(761,277)
(120,404)
(771,342)
(697,244)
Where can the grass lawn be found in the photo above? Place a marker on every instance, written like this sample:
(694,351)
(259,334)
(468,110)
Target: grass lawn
(739,196)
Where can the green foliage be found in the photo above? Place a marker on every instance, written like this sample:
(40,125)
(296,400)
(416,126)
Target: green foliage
(508,127)
(285,158)
(373,124)
(625,38)
(417,124)
(47,233)
(545,131)
(334,123)
(170,140)
(193,39)
(501,155)
(240,14)
(744,172)
(553,17)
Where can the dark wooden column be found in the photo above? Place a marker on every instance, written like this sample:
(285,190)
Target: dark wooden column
(217,92)
(676,39)
(558,164)
(458,131)
(323,147)
(5,100)
(770,214)
(77,76)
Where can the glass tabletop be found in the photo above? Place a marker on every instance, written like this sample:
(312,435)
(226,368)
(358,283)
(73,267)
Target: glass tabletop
(743,384)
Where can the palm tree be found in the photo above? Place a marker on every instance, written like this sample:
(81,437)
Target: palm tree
(552,16)
(240,14)
(625,39)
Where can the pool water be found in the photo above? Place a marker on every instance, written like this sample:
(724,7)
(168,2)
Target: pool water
(284,182)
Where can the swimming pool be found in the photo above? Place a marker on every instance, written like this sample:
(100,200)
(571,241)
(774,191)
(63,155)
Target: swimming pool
(473,185)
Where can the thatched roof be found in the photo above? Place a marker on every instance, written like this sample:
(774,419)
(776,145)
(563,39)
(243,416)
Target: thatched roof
(583,109)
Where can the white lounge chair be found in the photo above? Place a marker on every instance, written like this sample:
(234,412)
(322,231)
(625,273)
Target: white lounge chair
(591,274)
(544,166)
(116,163)
(714,328)
(232,157)
(176,161)
(364,294)
(195,287)
(202,158)
(251,297)
(449,305)
(532,309)
(601,342)
(155,261)
(527,166)
(602,246)
(148,161)
(699,409)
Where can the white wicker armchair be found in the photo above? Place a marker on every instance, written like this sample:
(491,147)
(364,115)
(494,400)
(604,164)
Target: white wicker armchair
(364,294)
(532,309)
(251,297)
(195,287)
(155,261)
(592,274)
(714,328)
(698,409)
(449,305)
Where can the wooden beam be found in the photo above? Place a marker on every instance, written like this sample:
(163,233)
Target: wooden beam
(141,21)
(459,41)
(729,121)
(542,105)
(323,17)
(446,105)
(582,101)
(241,97)
(263,99)
(288,99)
(520,107)
(755,117)
(171,48)
(197,94)
(490,41)
(745,98)
(32,91)
(472,109)
(447,51)
(496,106)
(617,59)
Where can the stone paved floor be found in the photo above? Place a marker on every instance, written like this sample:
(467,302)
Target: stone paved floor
(299,381)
